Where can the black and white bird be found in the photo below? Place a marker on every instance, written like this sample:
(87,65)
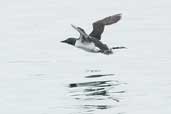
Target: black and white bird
(91,42)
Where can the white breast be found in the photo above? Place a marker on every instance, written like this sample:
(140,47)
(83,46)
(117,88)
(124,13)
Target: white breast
(86,46)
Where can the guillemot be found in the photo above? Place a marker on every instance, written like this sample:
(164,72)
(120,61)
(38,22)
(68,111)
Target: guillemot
(91,42)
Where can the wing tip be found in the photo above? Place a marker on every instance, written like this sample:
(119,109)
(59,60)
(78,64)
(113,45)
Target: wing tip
(119,15)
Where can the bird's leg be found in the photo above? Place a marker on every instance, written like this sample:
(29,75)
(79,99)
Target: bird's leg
(118,47)
(107,52)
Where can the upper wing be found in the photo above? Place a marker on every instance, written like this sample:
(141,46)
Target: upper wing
(98,26)
(83,35)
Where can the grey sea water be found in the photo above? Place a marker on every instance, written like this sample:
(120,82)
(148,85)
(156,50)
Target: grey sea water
(40,75)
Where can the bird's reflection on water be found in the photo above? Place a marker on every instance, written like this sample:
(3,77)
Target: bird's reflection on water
(98,75)
(96,94)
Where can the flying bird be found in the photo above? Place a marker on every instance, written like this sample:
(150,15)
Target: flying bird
(92,42)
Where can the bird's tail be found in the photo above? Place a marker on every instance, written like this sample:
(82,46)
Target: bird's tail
(119,47)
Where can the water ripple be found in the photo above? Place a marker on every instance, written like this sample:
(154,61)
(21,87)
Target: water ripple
(96,95)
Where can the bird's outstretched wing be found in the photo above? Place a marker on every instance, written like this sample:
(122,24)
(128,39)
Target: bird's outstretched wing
(98,26)
(83,35)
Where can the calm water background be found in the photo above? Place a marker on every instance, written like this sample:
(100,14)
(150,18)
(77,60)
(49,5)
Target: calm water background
(39,75)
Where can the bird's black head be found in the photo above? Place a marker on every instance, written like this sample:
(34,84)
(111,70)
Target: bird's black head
(70,41)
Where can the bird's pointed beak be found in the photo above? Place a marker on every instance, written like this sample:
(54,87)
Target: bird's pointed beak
(63,41)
